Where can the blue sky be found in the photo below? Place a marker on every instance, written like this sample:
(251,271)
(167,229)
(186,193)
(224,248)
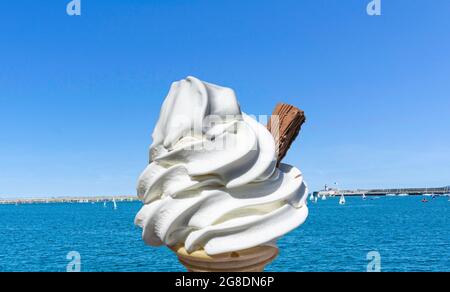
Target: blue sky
(79,96)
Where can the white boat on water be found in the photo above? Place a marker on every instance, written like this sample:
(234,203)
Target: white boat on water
(364,196)
(391,195)
(342,200)
(114,204)
(403,195)
(311,197)
(315,199)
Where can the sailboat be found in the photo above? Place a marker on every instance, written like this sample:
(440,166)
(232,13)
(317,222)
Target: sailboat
(114,204)
(364,196)
(311,197)
(342,200)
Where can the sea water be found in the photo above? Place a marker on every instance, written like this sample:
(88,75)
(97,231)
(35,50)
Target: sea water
(408,235)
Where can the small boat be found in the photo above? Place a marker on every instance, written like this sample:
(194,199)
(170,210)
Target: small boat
(390,195)
(114,204)
(311,197)
(403,195)
(342,200)
(364,196)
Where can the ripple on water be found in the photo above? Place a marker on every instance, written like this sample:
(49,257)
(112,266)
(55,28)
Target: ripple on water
(409,235)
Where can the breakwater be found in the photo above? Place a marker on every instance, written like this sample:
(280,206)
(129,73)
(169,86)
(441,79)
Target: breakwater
(387,192)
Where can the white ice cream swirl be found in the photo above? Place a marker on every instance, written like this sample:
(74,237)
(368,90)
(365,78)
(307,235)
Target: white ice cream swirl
(212,182)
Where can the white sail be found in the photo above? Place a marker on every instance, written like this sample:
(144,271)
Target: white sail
(114,204)
(342,200)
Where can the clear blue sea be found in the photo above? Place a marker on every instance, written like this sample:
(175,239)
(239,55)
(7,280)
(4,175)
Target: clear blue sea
(408,235)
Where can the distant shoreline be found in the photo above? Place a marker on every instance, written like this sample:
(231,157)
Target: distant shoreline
(54,200)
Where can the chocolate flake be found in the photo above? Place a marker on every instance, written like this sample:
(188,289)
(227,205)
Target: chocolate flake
(285,125)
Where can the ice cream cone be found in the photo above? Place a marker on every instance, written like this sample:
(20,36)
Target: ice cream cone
(218,184)
(249,260)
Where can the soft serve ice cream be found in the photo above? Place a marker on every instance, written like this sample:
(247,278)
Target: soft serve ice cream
(213,181)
